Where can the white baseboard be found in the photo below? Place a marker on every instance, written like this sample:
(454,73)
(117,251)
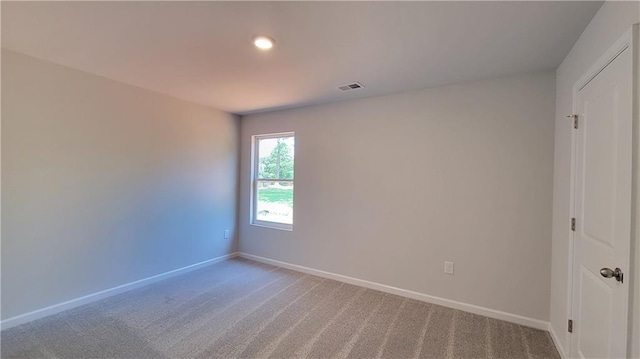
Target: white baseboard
(556,341)
(492,313)
(57,308)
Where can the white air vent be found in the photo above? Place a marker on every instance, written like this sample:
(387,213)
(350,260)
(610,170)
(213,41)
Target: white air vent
(353,86)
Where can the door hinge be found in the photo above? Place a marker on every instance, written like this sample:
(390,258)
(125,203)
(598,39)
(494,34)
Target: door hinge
(573,224)
(575,120)
(570,326)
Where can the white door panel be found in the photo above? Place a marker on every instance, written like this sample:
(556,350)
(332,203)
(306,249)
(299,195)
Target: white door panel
(597,326)
(603,211)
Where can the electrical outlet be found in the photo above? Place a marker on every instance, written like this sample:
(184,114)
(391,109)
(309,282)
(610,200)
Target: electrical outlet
(448,267)
(226,234)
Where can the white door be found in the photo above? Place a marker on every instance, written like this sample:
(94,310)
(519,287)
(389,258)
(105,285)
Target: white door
(602,210)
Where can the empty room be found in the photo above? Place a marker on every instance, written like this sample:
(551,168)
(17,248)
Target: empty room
(320,179)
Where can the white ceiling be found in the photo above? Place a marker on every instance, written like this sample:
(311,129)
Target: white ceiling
(201,51)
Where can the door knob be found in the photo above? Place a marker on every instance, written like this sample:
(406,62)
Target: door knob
(609,273)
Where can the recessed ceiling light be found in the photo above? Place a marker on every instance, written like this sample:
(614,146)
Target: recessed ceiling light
(263,42)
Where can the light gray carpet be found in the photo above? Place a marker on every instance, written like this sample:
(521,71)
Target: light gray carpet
(240,308)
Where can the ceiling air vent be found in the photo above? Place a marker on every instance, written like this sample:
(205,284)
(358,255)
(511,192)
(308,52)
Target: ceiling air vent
(353,86)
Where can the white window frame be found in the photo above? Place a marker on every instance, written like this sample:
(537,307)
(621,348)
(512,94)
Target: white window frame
(255,163)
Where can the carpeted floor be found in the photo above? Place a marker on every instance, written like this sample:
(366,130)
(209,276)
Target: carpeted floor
(240,308)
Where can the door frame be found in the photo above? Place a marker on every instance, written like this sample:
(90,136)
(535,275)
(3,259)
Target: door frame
(629,40)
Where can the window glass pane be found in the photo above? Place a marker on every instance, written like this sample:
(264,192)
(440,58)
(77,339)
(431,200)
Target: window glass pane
(275,202)
(275,156)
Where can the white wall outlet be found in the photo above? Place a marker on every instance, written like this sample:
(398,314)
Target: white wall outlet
(448,267)
(226,233)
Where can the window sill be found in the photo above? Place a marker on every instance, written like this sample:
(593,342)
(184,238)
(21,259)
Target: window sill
(273,225)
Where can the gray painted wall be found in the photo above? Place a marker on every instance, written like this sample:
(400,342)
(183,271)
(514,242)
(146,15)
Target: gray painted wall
(104,183)
(611,21)
(388,188)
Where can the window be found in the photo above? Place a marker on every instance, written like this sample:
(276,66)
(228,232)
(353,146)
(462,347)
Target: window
(272,194)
